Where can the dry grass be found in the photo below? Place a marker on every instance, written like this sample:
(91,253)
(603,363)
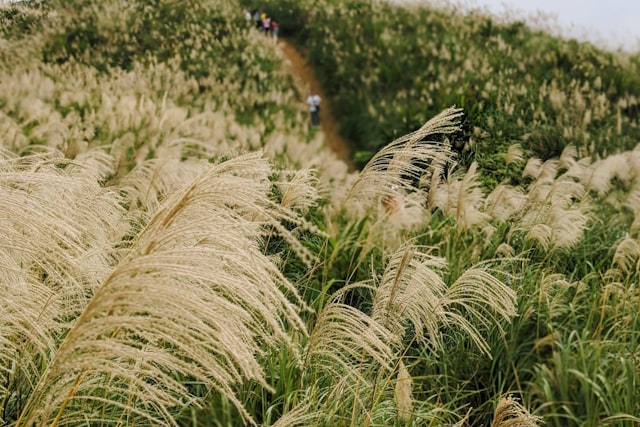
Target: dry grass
(194,298)
(510,413)
(412,292)
(344,338)
(404,385)
(138,270)
(401,161)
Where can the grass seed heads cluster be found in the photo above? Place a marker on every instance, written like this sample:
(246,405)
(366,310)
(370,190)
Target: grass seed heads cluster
(180,246)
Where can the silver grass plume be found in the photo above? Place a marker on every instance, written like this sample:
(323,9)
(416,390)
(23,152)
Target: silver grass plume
(469,200)
(148,183)
(299,189)
(27,326)
(404,157)
(411,292)
(504,201)
(555,227)
(568,157)
(195,299)
(301,416)
(408,291)
(627,254)
(599,176)
(532,168)
(59,230)
(458,197)
(510,413)
(515,154)
(345,337)
(58,218)
(403,389)
(438,187)
(556,209)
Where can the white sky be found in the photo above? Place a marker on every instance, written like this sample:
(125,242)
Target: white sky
(608,23)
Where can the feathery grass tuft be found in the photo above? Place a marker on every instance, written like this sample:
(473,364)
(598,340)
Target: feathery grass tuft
(412,292)
(404,160)
(404,401)
(302,415)
(627,254)
(469,200)
(195,300)
(344,338)
(510,413)
(514,154)
(504,201)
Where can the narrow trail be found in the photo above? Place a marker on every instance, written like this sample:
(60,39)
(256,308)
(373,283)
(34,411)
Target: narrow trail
(306,80)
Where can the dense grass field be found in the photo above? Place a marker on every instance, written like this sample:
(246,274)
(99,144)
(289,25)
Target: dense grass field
(180,247)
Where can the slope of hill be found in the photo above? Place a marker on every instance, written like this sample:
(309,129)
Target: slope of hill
(181,248)
(307,82)
(389,68)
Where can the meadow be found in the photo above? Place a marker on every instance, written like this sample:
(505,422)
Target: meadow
(180,247)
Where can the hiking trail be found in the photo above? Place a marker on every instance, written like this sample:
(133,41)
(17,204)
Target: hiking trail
(305,79)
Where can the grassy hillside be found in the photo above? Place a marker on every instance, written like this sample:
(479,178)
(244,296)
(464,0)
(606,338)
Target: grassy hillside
(389,68)
(180,248)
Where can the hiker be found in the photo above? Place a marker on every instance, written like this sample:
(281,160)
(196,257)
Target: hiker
(275,28)
(247,14)
(314,108)
(266,22)
(263,16)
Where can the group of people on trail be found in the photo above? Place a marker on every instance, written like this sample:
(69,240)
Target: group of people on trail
(263,21)
(269,25)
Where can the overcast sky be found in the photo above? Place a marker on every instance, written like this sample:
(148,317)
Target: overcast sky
(615,23)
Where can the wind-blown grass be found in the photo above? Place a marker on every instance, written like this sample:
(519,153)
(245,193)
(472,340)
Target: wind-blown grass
(193,299)
(179,247)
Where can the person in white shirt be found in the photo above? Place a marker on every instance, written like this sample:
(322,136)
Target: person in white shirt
(314,108)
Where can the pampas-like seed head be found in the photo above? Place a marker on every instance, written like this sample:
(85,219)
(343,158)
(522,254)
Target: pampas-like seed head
(627,254)
(514,154)
(404,401)
(344,337)
(402,158)
(503,202)
(412,292)
(300,191)
(469,200)
(510,413)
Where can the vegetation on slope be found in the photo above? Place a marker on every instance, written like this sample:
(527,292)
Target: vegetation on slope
(180,249)
(388,69)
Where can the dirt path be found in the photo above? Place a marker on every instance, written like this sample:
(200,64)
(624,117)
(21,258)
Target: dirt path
(306,80)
